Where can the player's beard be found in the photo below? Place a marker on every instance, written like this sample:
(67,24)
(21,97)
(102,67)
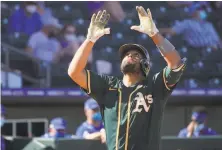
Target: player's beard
(127,67)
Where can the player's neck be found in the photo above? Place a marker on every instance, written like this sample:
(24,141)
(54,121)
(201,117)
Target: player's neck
(89,121)
(131,79)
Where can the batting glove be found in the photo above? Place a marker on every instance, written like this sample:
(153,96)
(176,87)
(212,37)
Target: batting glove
(147,25)
(97,26)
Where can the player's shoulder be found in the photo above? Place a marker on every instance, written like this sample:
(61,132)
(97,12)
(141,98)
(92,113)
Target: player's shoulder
(154,76)
(112,81)
(85,125)
(81,128)
(183,131)
(102,75)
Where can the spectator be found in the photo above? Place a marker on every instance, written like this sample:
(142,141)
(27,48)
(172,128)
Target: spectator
(69,43)
(197,32)
(2,123)
(44,12)
(43,44)
(197,126)
(25,20)
(93,127)
(57,129)
(113,7)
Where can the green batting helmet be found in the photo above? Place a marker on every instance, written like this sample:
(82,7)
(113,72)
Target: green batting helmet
(144,63)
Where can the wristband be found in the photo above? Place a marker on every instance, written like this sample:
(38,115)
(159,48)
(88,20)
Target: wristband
(165,47)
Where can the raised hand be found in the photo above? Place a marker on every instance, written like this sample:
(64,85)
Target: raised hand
(147,25)
(97,26)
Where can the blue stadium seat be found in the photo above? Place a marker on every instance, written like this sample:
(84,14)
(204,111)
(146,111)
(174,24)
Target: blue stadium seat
(194,83)
(117,39)
(215,83)
(81,25)
(198,66)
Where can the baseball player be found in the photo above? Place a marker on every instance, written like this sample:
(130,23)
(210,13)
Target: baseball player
(198,125)
(93,127)
(132,107)
(57,129)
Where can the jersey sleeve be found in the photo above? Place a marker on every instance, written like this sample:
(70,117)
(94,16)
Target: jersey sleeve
(166,80)
(97,85)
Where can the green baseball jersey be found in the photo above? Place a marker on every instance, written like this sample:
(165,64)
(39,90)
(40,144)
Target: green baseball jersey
(132,115)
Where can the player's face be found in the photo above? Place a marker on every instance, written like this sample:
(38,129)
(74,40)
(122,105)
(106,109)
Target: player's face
(131,62)
(91,112)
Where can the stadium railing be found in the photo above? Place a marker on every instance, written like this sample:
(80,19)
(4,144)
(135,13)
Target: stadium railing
(168,143)
(11,57)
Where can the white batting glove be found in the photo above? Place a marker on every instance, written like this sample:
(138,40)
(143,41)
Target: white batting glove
(97,26)
(147,25)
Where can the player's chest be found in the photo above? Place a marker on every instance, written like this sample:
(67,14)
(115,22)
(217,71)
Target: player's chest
(138,100)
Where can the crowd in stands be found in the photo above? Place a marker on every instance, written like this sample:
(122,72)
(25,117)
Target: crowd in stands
(197,31)
(53,33)
(49,40)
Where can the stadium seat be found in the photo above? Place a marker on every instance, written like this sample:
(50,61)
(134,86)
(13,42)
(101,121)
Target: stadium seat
(18,40)
(81,25)
(215,83)
(194,83)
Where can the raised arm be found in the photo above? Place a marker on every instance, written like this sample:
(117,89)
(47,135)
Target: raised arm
(167,50)
(148,27)
(96,30)
(175,65)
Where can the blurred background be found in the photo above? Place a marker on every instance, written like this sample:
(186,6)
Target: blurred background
(39,39)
